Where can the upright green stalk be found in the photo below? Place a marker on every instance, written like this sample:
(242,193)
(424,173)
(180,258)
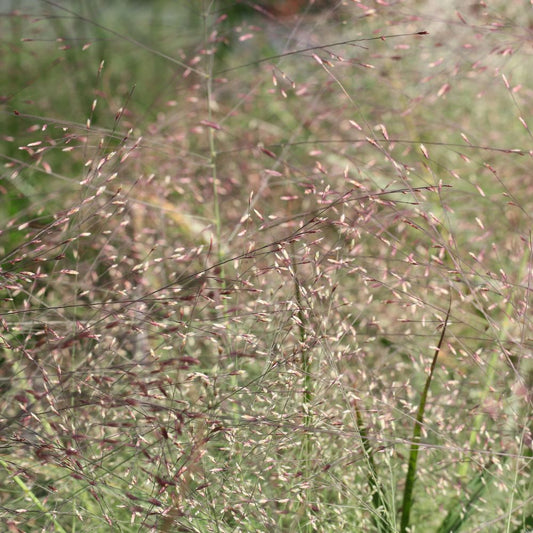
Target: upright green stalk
(417,431)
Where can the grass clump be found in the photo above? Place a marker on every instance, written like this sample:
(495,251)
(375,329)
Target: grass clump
(265,269)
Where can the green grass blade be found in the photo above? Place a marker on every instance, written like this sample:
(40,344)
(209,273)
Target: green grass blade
(417,431)
(382,511)
(459,513)
(31,496)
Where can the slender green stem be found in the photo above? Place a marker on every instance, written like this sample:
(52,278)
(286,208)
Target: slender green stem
(417,432)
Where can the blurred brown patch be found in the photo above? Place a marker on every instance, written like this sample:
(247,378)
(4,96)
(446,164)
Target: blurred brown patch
(287,8)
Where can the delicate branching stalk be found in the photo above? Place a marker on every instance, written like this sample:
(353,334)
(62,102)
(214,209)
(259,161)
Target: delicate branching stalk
(417,431)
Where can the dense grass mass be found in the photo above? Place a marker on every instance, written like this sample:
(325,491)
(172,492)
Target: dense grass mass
(266,267)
